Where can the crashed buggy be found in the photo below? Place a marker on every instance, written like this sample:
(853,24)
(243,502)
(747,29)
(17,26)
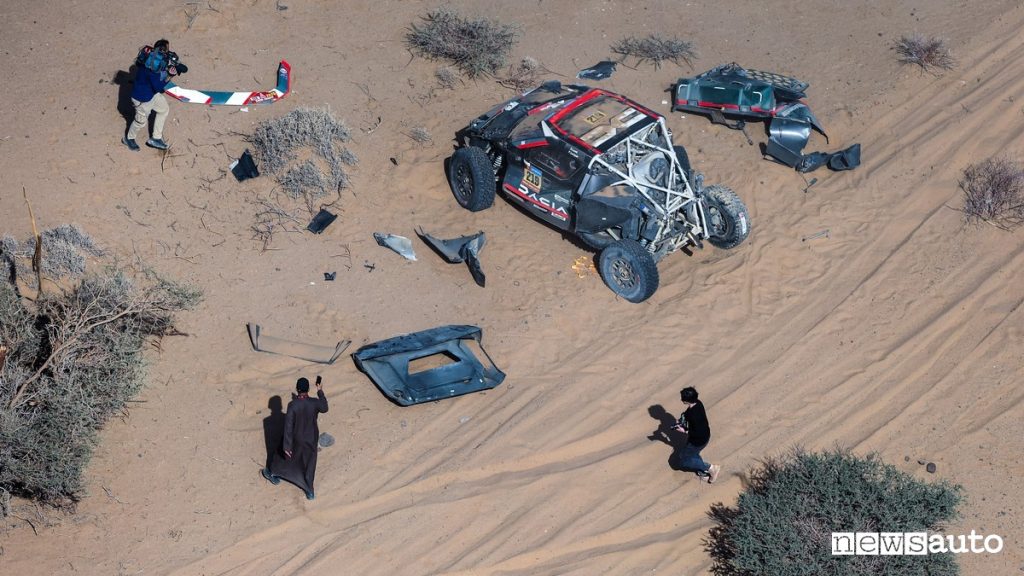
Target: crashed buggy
(602,168)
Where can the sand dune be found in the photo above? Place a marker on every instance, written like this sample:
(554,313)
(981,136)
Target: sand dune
(901,332)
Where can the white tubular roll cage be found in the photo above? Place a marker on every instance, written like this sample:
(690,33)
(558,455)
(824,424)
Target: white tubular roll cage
(677,195)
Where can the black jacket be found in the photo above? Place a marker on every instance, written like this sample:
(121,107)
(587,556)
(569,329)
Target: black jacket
(698,431)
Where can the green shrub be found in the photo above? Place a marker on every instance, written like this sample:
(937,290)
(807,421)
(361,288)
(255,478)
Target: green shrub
(74,358)
(783,521)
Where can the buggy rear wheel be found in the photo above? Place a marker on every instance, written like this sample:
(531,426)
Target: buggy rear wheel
(629,270)
(728,223)
(471,177)
(684,162)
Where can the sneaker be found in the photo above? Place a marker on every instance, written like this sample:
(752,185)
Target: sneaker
(130,143)
(157,143)
(309,495)
(713,473)
(270,477)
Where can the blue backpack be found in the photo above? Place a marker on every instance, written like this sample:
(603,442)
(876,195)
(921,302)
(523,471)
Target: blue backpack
(152,59)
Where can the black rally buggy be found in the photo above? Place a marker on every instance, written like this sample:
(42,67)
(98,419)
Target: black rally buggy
(603,168)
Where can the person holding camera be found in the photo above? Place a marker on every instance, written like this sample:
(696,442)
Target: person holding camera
(694,422)
(296,461)
(155,65)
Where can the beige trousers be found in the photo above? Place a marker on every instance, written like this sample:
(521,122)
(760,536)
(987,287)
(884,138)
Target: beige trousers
(142,109)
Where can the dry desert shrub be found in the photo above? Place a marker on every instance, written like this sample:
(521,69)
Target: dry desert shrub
(930,53)
(522,75)
(476,47)
(72,359)
(656,49)
(65,249)
(313,132)
(994,192)
(446,78)
(420,135)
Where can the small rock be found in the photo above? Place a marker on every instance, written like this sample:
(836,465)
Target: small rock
(906,458)
(922,462)
(326,440)
(930,468)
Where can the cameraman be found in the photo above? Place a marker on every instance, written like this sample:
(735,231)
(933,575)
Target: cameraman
(154,67)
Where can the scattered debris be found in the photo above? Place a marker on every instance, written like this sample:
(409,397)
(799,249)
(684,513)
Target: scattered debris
(322,220)
(330,276)
(583,266)
(245,167)
(400,244)
(599,71)
(326,440)
(823,234)
(446,360)
(733,90)
(303,351)
(370,266)
(462,249)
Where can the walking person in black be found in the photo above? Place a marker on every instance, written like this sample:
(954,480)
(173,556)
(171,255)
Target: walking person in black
(694,422)
(296,461)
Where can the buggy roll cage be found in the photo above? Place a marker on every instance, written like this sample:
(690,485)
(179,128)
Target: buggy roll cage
(668,199)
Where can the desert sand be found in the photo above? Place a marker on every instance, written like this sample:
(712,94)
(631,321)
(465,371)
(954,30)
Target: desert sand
(900,333)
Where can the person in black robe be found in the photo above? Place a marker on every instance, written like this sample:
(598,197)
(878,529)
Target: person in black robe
(296,460)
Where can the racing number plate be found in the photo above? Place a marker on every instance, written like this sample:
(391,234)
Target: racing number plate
(532,178)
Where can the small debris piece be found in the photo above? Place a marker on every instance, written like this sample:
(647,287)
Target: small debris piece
(321,221)
(931,468)
(399,244)
(330,276)
(326,440)
(599,71)
(583,266)
(245,167)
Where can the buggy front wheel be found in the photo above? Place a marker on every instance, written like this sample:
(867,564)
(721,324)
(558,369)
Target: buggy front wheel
(471,177)
(629,270)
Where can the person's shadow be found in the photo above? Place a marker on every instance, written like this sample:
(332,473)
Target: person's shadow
(125,82)
(667,433)
(273,428)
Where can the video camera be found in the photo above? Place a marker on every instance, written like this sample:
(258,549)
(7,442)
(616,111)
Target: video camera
(174,64)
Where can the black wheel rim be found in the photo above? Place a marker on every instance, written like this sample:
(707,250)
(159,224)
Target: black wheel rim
(622,274)
(721,225)
(463,183)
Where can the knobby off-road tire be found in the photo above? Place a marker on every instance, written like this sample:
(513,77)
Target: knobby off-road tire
(684,161)
(728,222)
(471,176)
(629,270)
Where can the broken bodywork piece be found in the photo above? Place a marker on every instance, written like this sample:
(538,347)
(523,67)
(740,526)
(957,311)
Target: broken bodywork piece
(599,71)
(429,365)
(731,90)
(462,249)
(400,244)
(321,221)
(245,167)
(300,350)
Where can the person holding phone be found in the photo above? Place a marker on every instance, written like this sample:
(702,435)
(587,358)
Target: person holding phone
(296,461)
(694,423)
